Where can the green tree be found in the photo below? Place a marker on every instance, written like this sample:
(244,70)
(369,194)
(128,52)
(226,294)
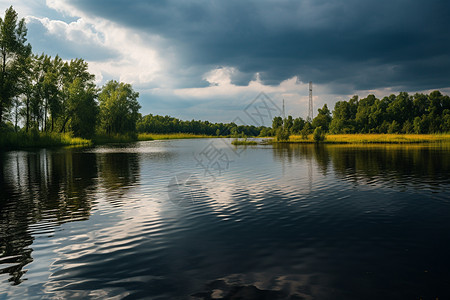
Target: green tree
(45,89)
(83,108)
(408,127)
(306,130)
(384,127)
(420,104)
(435,109)
(75,76)
(277,122)
(25,86)
(53,83)
(289,122)
(401,109)
(119,108)
(394,127)
(364,119)
(283,134)
(298,125)
(379,116)
(417,125)
(344,115)
(319,134)
(446,121)
(13,53)
(266,132)
(323,118)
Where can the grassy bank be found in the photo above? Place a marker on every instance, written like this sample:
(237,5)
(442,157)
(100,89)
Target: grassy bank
(243,142)
(170,136)
(375,138)
(13,140)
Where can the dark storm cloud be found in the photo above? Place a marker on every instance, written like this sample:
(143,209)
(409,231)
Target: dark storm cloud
(365,44)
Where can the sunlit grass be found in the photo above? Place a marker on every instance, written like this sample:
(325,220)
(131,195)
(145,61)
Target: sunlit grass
(243,142)
(13,140)
(170,136)
(376,138)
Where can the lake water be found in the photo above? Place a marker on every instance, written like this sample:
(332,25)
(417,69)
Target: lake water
(201,219)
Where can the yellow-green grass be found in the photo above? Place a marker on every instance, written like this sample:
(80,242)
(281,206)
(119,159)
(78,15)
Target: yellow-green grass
(170,136)
(243,142)
(376,138)
(13,140)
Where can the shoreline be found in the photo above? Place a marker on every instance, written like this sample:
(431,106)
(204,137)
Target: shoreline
(21,141)
(369,138)
(11,141)
(172,136)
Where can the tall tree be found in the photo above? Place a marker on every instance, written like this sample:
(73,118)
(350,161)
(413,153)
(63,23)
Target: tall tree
(277,122)
(119,108)
(344,115)
(52,88)
(401,109)
(25,86)
(364,118)
(298,125)
(75,78)
(83,108)
(288,122)
(323,118)
(13,50)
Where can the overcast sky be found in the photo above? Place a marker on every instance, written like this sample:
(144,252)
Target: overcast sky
(209,59)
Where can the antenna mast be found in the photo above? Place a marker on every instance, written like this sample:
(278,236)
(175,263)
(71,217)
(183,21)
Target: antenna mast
(310,108)
(284,115)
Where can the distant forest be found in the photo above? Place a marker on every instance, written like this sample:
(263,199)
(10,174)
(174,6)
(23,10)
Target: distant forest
(42,94)
(167,124)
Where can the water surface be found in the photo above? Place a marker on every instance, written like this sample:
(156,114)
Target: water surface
(201,219)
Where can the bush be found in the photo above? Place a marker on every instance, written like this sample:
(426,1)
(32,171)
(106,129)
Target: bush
(319,134)
(36,139)
(305,131)
(283,134)
(266,132)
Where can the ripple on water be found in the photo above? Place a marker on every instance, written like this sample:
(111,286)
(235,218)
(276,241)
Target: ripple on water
(310,222)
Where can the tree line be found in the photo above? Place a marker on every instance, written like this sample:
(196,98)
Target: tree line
(166,124)
(39,93)
(402,113)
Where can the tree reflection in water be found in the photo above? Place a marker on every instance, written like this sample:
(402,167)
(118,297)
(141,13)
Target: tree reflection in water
(40,190)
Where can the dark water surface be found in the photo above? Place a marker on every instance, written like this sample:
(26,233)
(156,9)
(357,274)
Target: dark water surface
(198,218)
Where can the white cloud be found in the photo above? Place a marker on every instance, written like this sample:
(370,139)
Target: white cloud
(24,8)
(220,85)
(220,76)
(63,7)
(78,31)
(137,61)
